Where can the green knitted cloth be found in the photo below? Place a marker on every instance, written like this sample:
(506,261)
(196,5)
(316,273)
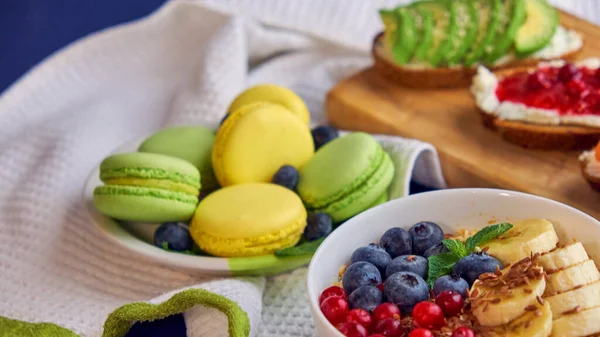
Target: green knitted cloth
(120,321)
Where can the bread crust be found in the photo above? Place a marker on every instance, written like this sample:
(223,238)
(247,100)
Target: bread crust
(438,78)
(593,181)
(540,136)
(543,137)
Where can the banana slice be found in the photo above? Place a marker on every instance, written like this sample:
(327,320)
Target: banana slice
(526,238)
(574,276)
(585,297)
(583,323)
(499,298)
(563,257)
(536,322)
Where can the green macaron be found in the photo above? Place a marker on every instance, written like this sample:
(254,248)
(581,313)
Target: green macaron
(346,176)
(147,187)
(191,143)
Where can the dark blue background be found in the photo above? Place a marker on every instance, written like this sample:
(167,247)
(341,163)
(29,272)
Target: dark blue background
(31,30)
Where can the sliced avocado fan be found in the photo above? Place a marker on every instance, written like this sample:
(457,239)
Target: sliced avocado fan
(388,18)
(406,35)
(489,20)
(512,18)
(445,28)
(424,20)
(467,19)
(537,30)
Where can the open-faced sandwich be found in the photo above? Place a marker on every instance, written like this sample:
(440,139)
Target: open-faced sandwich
(439,44)
(590,166)
(554,106)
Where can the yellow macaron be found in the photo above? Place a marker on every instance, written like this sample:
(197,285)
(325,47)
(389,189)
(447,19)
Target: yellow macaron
(273,94)
(248,220)
(256,140)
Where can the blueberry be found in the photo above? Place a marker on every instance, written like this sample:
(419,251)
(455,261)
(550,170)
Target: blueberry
(318,225)
(425,235)
(176,236)
(450,282)
(435,250)
(323,134)
(286,176)
(412,263)
(475,264)
(373,254)
(360,274)
(396,242)
(406,289)
(365,297)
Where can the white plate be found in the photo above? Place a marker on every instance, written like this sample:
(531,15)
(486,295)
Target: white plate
(452,209)
(138,237)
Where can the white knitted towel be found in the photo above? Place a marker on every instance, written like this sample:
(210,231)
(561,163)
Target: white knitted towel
(182,65)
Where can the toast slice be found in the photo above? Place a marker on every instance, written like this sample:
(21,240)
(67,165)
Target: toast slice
(421,76)
(562,137)
(590,168)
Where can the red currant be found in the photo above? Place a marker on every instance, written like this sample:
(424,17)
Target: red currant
(568,72)
(420,333)
(380,287)
(335,309)
(450,301)
(576,88)
(389,327)
(353,329)
(463,332)
(428,315)
(377,335)
(360,316)
(333,291)
(538,80)
(385,310)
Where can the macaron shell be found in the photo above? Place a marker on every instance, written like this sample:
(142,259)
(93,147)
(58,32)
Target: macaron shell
(383,198)
(191,143)
(256,140)
(149,165)
(248,219)
(338,168)
(365,195)
(143,204)
(241,248)
(273,94)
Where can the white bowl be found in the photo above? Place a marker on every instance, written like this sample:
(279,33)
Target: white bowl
(452,209)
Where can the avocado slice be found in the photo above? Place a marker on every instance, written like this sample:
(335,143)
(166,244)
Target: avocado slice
(512,18)
(467,22)
(489,20)
(406,35)
(388,18)
(537,30)
(425,24)
(445,28)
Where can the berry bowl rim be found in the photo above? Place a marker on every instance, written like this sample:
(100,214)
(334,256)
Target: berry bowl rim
(479,207)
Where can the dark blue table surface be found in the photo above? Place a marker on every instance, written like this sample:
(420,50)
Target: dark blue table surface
(31,30)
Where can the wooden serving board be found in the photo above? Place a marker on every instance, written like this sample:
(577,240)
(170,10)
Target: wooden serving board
(471,155)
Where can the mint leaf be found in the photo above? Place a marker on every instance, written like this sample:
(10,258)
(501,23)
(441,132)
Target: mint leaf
(440,265)
(456,247)
(304,248)
(486,234)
